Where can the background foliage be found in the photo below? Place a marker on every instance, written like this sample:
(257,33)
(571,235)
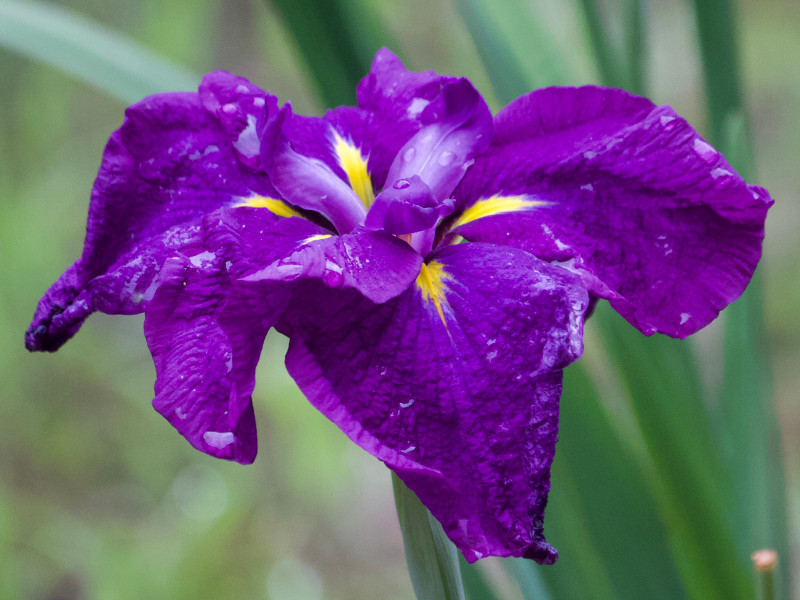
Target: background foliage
(665,476)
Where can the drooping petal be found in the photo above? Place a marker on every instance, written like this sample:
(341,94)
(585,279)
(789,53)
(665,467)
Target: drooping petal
(406,207)
(205,330)
(454,385)
(168,165)
(625,193)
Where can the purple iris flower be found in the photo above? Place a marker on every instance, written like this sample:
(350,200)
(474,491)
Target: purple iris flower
(431,264)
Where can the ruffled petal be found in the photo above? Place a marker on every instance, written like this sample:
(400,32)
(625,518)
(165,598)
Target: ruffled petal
(242,110)
(168,165)
(627,195)
(454,384)
(205,330)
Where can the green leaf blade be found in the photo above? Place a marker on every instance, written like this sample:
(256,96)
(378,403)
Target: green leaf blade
(104,58)
(432,558)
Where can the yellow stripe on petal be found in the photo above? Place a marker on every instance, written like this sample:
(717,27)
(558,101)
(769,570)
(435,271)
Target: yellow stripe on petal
(316,238)
(355,167)
(497,205)
(276,207)
(431,282)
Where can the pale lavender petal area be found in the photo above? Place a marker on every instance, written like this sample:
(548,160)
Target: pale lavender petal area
(463,406)
(308,181)
(242,110)
(630,197)
(406,207)
(168,165)
(457,127)
(376,264)
(205,329)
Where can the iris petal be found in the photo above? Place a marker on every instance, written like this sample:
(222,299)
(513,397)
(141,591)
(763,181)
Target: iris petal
(169,164)
(632,199)
(463,409)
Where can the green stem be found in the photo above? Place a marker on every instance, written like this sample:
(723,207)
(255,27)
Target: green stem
(432,559)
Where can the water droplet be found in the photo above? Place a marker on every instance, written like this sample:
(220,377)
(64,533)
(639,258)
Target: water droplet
(289,271)
(241,89)
(401,184)
(408,449)
(409,154)
(333,279)
(407,404)
(218,439)
(259,102)
(446,158)
(229,109)
(667,122)
(705,151)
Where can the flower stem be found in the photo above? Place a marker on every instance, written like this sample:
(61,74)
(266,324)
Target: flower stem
(432,559)
(765,562)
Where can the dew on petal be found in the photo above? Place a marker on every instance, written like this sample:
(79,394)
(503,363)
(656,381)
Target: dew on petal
(705,151)
(289,271)
(333,274)
(409,154)
(219,439)
(229,109)
(401,184)
(446,158)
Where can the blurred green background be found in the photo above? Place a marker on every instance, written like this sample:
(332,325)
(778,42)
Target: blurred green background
(100,498)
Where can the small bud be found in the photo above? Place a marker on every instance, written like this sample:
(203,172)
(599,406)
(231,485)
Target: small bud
(764,560)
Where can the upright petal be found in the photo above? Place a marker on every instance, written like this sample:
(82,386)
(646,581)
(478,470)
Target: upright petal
(625,193)
(168,165)
(309,180)
(454,385)
(457,127)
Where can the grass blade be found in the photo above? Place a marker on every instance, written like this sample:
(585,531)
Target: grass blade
(432,558)
(519,53)
(748,426)
(329,36)
(102,57)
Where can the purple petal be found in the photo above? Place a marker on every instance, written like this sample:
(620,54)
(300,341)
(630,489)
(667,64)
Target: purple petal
(629,196)
(205,330)
(458,126)
(168,165)
(307,181)
(395,101)
(242,110)
(406,207)
(463,406)
(378,265)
